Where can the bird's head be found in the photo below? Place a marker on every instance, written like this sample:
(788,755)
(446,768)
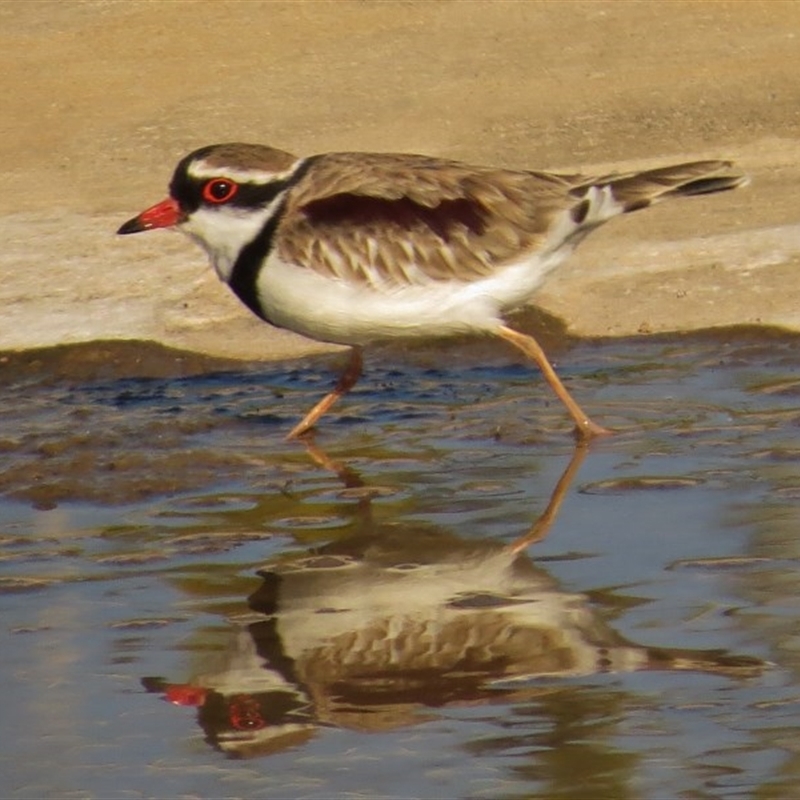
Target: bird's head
(222,196)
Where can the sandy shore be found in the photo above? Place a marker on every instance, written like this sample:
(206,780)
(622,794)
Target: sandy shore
(102,97)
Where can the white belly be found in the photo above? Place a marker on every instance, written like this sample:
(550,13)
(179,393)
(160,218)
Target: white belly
(333,310)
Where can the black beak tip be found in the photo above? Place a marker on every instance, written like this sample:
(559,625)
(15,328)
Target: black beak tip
(131,226)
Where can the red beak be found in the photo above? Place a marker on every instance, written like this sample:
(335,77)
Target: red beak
(162,215)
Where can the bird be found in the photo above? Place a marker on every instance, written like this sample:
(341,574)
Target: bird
(354,248)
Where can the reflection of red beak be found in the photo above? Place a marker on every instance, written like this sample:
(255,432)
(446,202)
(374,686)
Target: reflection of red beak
(162,215)
(184,695)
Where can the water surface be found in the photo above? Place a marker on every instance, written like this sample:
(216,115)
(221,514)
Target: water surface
(193,607)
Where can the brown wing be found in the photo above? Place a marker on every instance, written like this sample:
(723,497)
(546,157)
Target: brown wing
(402,219)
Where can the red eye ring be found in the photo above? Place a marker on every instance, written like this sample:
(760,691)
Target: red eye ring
(219,190)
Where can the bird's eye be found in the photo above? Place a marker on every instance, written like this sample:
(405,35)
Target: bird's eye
(219,190)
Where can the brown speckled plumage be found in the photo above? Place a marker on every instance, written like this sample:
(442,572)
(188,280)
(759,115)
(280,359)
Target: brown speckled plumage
(409,219)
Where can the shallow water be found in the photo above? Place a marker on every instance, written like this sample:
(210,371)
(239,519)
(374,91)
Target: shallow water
(361,617)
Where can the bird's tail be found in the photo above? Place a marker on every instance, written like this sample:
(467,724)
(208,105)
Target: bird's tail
(641,189)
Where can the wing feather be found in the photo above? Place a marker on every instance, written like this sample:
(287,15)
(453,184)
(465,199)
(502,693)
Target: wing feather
(401,219)
(398,220)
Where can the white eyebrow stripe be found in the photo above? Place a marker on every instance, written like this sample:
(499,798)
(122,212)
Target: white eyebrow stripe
(202,169)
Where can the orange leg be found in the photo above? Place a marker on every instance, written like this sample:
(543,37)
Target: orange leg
(347,380)
(584,427)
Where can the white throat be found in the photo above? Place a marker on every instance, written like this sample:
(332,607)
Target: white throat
(223,232)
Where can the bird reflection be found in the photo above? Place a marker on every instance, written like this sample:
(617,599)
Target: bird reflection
(376,631)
